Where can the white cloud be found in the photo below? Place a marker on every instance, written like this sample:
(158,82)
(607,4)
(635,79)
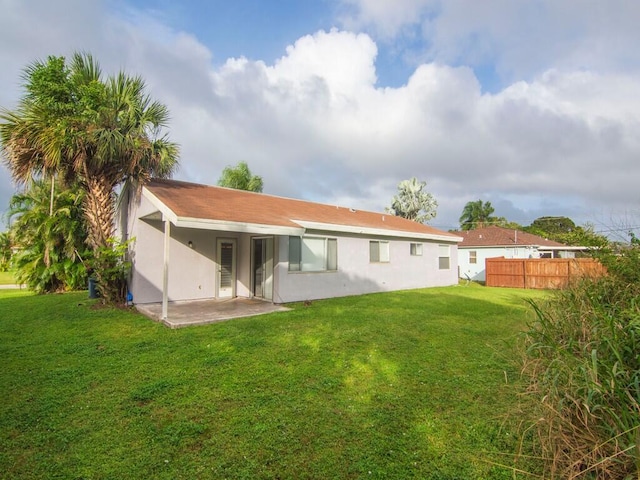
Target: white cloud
(315,125)
(387,18)
(519,38)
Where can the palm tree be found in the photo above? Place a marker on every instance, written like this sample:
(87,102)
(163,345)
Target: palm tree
(100,133)
(413,202)
(476,215)
(50,238)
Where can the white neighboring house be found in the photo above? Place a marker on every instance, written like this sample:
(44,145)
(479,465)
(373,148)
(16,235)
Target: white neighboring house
(199,242)
(492,242)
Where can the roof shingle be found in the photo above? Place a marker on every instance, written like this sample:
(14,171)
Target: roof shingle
(498,236)
(190,200)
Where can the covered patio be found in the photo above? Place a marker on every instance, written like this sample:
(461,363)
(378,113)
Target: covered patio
(202,312)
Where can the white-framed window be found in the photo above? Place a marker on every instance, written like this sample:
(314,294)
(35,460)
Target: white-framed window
(415,249)
(444,254)
(378,251)
(473,256)
(313,254)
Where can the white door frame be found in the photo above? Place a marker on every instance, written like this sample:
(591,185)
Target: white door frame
(267,265)
(227,292)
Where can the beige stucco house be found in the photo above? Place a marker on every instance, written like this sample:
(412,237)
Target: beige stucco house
(196,242)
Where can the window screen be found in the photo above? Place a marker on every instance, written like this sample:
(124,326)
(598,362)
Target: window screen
(378,251)
(443,257)
(312,254)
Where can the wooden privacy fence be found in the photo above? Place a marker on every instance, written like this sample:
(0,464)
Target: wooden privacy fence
(539,273)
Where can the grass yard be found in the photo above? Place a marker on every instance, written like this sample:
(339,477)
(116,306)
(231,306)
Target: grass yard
(413,384)
(6,278)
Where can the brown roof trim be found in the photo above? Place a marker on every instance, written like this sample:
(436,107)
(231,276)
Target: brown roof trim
(204,204)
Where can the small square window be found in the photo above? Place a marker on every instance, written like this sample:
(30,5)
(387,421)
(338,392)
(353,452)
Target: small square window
(378,252)
(444,252)
(416,249)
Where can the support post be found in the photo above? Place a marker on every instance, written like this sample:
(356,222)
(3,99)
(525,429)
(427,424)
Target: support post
(165,270)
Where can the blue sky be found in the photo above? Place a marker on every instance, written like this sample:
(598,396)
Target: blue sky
(531,104)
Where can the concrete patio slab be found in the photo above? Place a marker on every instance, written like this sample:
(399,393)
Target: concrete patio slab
(201,312)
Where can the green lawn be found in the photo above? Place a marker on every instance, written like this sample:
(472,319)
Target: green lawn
(6,278)
(414,384)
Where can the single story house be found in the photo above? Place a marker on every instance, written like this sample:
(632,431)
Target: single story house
(492,242)
(194,241)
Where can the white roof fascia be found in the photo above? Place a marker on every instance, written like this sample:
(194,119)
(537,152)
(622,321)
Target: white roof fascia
(331,227)
(167,213)
(511,245)
(242,227)
(539,247)
(565,247)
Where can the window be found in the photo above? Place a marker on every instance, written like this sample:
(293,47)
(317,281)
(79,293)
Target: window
(313,254)
(473,256)
(416,249)
(378,252)
(443,257)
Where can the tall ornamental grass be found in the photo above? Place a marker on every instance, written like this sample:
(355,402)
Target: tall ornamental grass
(582,362)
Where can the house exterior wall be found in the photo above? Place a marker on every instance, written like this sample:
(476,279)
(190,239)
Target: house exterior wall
(357,275)
(476,271)
(193,270)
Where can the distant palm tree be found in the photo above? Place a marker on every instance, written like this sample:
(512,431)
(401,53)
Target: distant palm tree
(413,202)
(476,215)
(100,133)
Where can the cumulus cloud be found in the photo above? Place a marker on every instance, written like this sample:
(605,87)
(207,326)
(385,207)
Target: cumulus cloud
(387,18)
(519,39)
(315,125)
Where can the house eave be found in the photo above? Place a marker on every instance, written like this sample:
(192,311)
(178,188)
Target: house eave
(241,227)
(564,248)
(165,213)
(379,232)
(522,245)
(512,245)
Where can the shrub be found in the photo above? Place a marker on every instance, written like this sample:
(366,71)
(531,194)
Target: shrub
(5,251)
(582,365)
(111,269)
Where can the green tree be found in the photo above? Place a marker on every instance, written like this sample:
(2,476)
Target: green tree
(564,230)
(6,251)
(50,237)
(551,226)
(477,214)
(240,178)
(100,133)
(413,202)
(504,223)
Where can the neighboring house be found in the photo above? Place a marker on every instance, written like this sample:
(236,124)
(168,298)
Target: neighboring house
(196,242)
(491,242)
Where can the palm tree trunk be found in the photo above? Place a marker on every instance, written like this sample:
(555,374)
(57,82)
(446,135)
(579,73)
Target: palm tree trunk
(52,194)
(99,210)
